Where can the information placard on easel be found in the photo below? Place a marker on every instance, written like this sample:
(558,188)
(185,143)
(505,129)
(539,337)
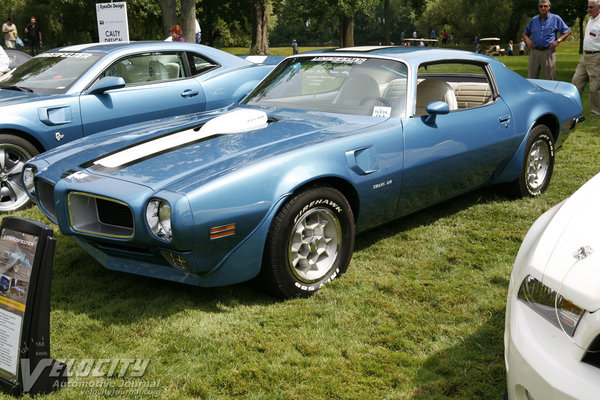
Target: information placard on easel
(26,259)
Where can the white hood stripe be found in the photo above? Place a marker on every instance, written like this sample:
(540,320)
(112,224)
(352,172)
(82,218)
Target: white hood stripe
(237,121)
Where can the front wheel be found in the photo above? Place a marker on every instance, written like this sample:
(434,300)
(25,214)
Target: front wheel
(14,152)
(310,243)
(538,163)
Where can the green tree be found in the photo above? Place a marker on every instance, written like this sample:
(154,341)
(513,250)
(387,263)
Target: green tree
(466,18)
(572,12)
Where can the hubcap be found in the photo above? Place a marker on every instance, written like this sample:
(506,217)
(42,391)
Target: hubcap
(538,162)
(314,244)
(12,160)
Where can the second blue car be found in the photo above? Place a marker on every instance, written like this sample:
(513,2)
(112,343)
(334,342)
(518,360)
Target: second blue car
(71,92)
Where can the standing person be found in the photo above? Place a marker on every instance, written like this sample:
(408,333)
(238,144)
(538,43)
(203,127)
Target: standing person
(477,43)
(433,36)
(542,39)
(198,32)
(521,47)
(588,69)
(444,38)
(34,34)
(402,37)
(176,34)
(10,33)
(294,47)
(510,47)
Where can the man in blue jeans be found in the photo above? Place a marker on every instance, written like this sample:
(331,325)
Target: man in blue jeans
(542,38)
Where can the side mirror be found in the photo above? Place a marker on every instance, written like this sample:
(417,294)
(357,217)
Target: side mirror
(107,83)
(433,109)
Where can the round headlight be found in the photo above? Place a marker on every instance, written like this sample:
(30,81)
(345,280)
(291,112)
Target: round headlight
(27,175)
(158,216)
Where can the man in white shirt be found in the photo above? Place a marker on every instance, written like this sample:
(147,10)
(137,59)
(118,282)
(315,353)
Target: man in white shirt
(588,69)
(9,29)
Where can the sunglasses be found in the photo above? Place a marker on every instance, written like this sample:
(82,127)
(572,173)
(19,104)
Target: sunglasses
(544,6)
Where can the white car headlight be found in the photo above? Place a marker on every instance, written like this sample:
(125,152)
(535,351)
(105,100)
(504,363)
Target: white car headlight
(158,217)
(28,175)
(549,304)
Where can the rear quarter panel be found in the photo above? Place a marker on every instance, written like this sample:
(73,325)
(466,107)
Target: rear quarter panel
(530,104)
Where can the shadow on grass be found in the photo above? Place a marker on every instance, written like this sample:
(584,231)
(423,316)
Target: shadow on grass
(426,216)
(474,369)
(80,285)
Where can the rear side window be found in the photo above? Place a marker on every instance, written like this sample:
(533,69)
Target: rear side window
(460,84)
(200,64)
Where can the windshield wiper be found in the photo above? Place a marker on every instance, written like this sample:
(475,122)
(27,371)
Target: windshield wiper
(19,88)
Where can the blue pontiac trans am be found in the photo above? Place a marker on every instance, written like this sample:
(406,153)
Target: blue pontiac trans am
(328,144)
(71,92)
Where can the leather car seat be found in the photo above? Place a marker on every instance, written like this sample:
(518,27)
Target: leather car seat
(430,90)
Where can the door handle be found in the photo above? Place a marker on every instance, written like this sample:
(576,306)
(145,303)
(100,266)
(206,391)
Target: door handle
(504,118)
(189,93)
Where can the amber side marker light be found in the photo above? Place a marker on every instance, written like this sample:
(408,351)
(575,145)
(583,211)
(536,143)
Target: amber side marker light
(219,232)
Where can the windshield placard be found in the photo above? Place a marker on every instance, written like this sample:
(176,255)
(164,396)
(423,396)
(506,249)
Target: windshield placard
(66,55)
(341,60)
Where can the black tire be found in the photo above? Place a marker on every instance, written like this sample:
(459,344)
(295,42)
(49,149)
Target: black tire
(14,151)
(538,163)
(310,243)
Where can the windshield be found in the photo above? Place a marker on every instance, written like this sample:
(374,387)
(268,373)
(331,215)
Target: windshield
(50,72)
(340,84)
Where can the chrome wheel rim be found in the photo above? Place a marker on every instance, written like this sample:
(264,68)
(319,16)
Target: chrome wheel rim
(538,163)
(12,160)
(314,244)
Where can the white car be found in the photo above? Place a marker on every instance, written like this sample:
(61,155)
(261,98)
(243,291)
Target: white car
(552,335)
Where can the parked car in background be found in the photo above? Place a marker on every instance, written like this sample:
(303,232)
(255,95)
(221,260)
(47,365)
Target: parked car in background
(71,92)
(552,336)
(326,145)
(16,57)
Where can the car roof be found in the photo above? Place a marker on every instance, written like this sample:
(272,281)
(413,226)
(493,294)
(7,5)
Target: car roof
(116,48)
(409,54)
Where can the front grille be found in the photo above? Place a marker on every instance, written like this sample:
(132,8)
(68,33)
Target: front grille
(100,216)
(46,197)
(112,213)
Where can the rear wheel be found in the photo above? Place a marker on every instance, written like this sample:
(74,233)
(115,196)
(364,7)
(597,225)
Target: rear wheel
(538,163)
(310,243)
(14,152)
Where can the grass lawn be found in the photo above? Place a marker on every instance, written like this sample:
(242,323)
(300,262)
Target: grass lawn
(418,315)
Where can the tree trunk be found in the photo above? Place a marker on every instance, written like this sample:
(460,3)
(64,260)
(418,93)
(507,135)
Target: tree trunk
(259,18)
(386,22)
(188,20)
(169,14)
(346,31)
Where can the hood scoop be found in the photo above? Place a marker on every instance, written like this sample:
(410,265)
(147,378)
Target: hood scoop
(236,121)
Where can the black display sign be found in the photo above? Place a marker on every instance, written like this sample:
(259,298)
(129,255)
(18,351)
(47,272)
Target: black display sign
(26,260)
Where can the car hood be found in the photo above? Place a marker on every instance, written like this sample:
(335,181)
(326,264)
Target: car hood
(181,152)
(568,252)
(8,96)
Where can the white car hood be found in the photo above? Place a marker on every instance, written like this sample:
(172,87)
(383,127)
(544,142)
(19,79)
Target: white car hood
(568,252)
